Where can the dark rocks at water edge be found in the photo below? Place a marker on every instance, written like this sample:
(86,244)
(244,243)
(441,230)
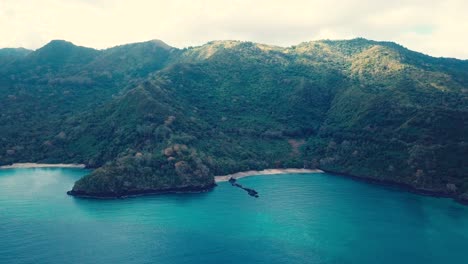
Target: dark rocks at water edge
(136,193)
(448,190)
(251,192)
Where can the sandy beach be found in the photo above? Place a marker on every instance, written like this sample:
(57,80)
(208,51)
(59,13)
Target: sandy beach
(244,174)
(41,165)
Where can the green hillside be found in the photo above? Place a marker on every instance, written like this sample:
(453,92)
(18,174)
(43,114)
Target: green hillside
(153,118)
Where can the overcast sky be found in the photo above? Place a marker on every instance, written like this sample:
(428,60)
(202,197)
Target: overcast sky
(435,27)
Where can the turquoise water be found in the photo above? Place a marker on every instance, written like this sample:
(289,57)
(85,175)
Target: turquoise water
(308,218)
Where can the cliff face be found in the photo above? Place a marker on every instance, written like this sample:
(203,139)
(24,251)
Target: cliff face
(153,118)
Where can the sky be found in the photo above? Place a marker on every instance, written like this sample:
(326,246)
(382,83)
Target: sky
(434,27)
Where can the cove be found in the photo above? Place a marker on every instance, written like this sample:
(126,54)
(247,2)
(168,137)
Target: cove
(298,218)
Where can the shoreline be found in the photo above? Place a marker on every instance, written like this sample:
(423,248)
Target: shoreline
(133,194)
(239,175)
(402,187)
(388,183)
(243,174)
(31,165)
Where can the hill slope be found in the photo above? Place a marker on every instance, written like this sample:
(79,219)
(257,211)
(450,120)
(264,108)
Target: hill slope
(153,118)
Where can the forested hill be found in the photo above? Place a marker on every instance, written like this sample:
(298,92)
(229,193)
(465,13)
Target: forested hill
(152,118)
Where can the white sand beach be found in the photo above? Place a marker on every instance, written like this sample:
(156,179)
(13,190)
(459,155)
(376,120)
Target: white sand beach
(244,174)
(41,165)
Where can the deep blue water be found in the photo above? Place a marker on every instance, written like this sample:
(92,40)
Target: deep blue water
(302,218)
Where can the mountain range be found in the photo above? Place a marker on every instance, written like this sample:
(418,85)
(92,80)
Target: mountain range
(149,117)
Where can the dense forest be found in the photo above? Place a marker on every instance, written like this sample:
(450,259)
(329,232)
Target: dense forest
(149,117)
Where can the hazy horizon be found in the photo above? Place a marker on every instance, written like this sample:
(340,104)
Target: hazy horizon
(436,28)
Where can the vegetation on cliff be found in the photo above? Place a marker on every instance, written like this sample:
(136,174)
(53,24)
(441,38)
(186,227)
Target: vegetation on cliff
(152,117)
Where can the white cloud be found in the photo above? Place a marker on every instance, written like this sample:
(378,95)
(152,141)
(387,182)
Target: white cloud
(435,27)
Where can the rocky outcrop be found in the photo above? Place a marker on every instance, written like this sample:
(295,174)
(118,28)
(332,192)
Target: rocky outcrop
(251,192)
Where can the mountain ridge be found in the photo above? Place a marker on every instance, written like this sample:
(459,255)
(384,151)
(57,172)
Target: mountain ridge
(159,42)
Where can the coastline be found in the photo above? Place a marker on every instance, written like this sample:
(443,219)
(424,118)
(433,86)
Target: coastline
(402,187)
(239,175)
(30,165)
(223,178)
(135,193)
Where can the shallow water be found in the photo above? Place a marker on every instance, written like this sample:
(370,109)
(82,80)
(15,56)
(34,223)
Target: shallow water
(299,218)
